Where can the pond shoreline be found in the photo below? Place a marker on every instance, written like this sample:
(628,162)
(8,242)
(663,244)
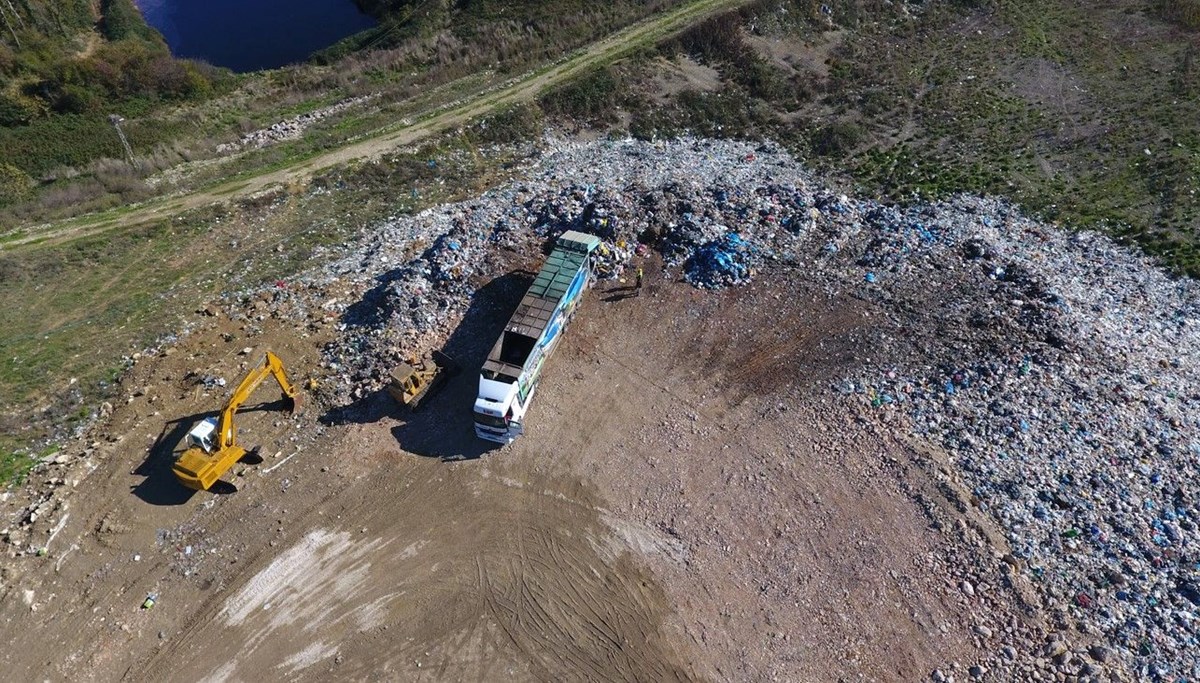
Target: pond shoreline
(244,37)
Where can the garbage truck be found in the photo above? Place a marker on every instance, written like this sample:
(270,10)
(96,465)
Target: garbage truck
(510,374)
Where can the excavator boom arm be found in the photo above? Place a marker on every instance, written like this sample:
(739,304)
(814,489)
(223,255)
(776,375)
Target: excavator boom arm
(271,366)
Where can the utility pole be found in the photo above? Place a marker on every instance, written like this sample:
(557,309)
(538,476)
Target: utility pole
(10,26)
(16,14)
(116,122)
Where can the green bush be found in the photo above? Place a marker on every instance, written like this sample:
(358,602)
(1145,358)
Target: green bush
(518,123)
(1186,13)
(15,184)
(65,140)
(77,100)
(837,138)
(591,98)
(14,467)
(121,20)
(16,112)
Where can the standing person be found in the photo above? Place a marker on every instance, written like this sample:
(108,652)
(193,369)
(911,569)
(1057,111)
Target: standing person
(638,284)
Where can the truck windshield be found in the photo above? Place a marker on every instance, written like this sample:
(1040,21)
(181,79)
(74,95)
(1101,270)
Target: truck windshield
(498,377)
(491,421)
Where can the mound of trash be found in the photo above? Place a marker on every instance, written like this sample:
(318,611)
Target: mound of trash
(1058,370)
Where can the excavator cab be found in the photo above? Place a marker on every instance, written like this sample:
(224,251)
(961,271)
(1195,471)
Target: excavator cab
(202,435)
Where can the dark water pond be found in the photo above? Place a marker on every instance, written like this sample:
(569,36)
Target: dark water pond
(246,35)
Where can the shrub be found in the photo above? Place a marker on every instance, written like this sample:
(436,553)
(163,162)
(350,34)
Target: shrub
(517,123)
(1185,13)
(64,140)
(15,184)
(8,61)
(15,112)
(718,39)
(590,98)
(158,75)
(121,20)
(75,99)
(120,179)
(837,138)
(70,196)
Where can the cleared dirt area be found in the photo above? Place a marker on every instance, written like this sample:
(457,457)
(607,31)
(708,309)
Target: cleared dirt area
(690,502)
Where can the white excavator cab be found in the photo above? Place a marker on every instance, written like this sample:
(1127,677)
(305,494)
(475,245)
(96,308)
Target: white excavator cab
(202,435)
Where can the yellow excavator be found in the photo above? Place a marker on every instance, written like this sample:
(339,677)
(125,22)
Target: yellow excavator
(212,444)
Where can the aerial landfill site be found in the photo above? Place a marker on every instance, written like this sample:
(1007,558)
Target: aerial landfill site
(788,435)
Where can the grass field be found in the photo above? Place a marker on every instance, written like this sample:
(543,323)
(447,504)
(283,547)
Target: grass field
(103,298)
(1085,113)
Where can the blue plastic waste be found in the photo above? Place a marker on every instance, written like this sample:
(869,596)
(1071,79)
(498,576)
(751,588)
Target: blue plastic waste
(720,263)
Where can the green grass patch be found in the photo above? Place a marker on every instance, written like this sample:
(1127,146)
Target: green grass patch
(14,467)
(231,189)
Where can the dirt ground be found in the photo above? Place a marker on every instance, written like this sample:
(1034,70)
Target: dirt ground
(691,502)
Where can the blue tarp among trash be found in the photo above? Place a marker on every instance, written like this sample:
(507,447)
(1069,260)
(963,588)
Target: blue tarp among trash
(720,263)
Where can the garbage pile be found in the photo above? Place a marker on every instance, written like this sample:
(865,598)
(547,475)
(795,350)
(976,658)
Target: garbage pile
(1068,400)
(406,310)
(681,238)
(402,288)
(1057,370)
(720,263)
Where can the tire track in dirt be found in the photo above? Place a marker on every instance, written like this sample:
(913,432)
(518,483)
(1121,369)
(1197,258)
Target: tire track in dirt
(461,574)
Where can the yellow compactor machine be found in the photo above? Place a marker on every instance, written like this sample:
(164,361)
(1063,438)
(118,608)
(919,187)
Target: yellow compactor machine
(212,444)
(413,382)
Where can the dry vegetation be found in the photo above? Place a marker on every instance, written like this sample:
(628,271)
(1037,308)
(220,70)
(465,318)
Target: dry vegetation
(1084,114)
(66,163)
(1186,13)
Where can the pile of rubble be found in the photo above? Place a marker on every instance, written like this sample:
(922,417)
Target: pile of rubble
(1056,369)
(722,262)
(293,128)
(411,279)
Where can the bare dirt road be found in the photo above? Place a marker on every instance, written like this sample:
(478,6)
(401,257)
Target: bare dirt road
(689,503)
